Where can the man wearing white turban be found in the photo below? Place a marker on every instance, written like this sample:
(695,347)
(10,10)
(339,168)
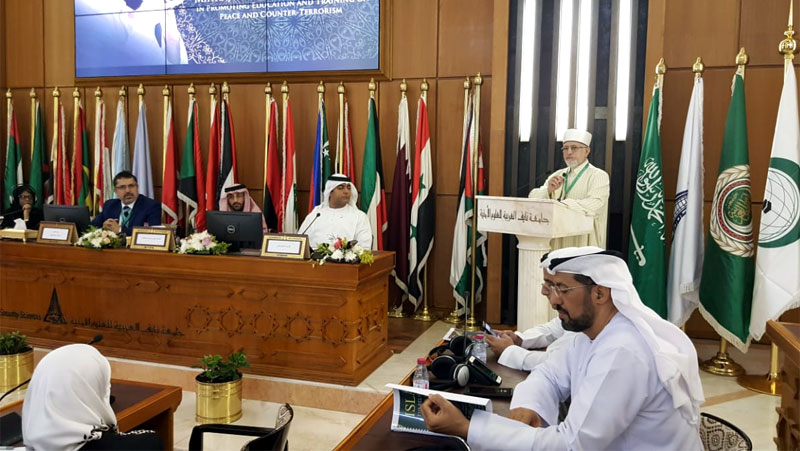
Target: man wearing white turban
(632,376)
(581,186)
(337,216)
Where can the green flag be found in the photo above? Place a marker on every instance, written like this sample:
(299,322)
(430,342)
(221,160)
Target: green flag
(647,250)
(13,175)
(373,193)
(38,159)
(726,286)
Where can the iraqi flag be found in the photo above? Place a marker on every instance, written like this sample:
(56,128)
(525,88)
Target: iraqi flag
(423,208)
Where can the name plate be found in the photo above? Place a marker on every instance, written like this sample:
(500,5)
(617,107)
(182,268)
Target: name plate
(57,233)
(153,239)
(285,246)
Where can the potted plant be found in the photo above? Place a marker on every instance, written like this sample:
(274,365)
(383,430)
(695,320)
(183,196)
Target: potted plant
(219,388)
(16,360)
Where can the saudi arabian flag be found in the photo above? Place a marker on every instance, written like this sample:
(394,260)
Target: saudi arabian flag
(647,250)
(726,286)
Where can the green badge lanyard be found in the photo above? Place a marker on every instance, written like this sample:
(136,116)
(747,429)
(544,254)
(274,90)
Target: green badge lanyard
(568,186)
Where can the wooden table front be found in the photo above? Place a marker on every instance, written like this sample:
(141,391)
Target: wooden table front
(138,405)
(786,337)
(294,319)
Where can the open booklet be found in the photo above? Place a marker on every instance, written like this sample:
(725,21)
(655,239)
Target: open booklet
(406,416)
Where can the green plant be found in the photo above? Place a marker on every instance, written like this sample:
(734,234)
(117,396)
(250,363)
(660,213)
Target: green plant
(215,370)
(13,343)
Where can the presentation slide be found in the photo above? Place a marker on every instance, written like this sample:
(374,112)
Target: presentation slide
(157,37)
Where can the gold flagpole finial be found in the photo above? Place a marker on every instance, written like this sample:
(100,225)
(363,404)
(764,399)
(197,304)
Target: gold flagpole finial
(192,91)
(268,89)
(285,87)
(76,93)
(698,68)
(403,86)
(340,88)
(98,92)
(424,86)
(123,91)
(212,89)
(467,83)
(225,90)
(478,80)
(32,93)
(56,92)
(788,46)
(372,87)
(8,94)
(661,67)
(742,58)
(165,91)
(321,87)
(140,90)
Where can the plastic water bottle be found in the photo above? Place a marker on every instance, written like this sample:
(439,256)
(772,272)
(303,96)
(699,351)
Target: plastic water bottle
(420,378)
(479,348)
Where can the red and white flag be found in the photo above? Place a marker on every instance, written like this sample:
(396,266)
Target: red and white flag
(169,186)
(103,186)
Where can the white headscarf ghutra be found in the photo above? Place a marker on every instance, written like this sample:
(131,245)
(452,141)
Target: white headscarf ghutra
(674,354)
(68,401)
(335,180)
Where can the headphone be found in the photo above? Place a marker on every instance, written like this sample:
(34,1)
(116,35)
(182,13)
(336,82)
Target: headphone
(447,363)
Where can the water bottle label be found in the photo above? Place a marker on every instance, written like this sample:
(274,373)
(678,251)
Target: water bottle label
(421,383)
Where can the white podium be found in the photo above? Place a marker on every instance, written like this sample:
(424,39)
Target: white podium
(534,222)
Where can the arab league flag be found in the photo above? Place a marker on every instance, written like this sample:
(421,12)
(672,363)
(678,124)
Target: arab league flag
(777,277)
(423,208)
(647,251)
(686,258)
(321,169)
(13,174)
(726,286)
(191,185)
(373,193)
(142,168)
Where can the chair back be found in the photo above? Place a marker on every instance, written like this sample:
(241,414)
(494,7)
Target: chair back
(277,439)
(717,434)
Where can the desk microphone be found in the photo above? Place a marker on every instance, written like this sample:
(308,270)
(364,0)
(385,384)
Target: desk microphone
(564,176)
(94,340)
(312,223)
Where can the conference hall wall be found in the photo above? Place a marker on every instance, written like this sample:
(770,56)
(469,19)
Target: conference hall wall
(443,41)
(682,30)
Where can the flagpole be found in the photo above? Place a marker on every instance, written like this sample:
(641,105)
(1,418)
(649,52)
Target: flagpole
(268,110)
(425,314)
(397,311)
(192,100)
(341,137)
(54,158)
(164,127)
(722,364)
(33,124)
(472,324)
(98,95)
(770,383)
(76,98)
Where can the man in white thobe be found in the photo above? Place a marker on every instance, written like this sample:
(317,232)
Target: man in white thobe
(337,216)
(581,186)
(518,349)
(632,376)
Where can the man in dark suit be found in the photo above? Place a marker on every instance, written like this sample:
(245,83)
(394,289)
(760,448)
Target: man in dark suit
(130,210)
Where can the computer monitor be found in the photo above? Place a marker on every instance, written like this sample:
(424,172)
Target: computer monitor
(78,214)
(241,230)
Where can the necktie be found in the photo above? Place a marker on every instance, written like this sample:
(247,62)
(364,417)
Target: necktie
(126,214)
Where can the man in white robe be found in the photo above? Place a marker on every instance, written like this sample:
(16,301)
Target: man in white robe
(518,349)
(632,376)
(581,186)
(337,216)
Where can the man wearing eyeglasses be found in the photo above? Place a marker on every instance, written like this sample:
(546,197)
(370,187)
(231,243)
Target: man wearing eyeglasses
(632,377)
(130,209)
(581,186)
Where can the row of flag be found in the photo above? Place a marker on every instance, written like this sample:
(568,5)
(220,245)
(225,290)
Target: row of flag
(736,292)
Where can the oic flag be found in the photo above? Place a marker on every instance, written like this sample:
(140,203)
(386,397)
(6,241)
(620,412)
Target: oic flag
(103,186)
(212,171)
(373,193)
(321,169)
(80,159)
(647,251)
(13,174)
(272,170)
(686,258)
(142,168)
(40,169)
(777,285)
(461,259)
(423,208)
(726,286)
(345,160)
(191,185)
(119,145)
(169,185)
(400,211)
(62,190)
(227,159)
(289,174)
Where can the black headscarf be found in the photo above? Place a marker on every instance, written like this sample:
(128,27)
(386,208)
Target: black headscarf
(15,204)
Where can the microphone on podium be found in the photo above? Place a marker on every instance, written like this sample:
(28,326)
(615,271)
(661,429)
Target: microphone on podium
(312,223)
(564,176)
(97,338)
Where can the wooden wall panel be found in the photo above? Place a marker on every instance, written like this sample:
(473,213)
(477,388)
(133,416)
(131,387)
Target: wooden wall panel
(760,37)
(465,37)
(673,109)
(708,28)
(414,28)
(24,47)
(59,42)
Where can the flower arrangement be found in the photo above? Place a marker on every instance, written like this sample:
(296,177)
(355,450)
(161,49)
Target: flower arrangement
(342,251)
(202,243)
(103,238)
